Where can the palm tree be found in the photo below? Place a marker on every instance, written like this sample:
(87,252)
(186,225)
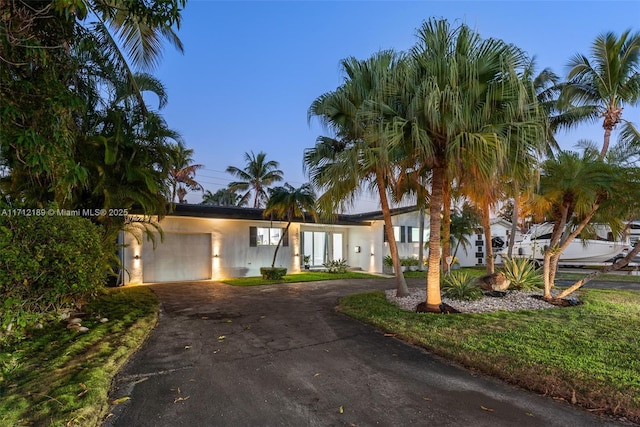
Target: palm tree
(288,203)
(573,189)
(49,47)
(256,177)
(182,173)
(602,85)
(464,100)
(357,156)
(222,197)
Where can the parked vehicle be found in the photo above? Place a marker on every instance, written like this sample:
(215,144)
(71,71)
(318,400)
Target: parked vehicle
(601,249)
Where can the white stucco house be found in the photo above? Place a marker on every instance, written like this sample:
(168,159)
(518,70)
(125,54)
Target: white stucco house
(476,254)
(215,242)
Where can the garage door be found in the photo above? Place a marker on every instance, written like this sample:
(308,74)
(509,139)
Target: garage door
(179,257)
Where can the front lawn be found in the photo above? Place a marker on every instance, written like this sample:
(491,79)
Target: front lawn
(307,276)
(61,377)
(587,354)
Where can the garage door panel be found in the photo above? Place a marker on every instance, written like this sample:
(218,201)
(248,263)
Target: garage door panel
(179,257)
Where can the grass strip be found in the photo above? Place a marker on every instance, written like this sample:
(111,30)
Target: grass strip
(311,276)
(585,354)
(61,377)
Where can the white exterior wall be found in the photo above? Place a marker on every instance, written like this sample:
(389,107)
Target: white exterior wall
(499,228)
(406,249)
(231,253)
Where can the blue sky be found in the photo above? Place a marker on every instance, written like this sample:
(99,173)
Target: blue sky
(250,70)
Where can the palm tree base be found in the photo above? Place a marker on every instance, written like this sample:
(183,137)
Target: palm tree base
(443,308)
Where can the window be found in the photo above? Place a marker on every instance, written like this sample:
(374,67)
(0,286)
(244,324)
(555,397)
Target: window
(413,235)
(267,236)
(398,232)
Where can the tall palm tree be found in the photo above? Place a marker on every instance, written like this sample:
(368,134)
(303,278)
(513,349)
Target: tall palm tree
(288,203)
(255,178)
(358,155)
(602,85)
(463,101)
(182,173)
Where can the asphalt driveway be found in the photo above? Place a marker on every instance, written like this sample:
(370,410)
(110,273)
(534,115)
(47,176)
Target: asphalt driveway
(280,355)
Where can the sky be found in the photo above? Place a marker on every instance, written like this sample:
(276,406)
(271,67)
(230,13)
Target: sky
(250,70)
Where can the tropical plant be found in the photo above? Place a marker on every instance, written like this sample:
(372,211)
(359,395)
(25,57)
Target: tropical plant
(182,173)
(288,203)
(255,178)
(522,273)
(601,85)
(573,189)
(459,285)
(222,197)
(463,101)
(338,266)
(50,264)
(357,156)
(55,63)
(463,225)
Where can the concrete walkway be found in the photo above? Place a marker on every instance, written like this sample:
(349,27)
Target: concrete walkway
(281,355)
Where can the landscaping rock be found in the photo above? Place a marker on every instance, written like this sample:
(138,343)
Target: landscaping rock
(494,282)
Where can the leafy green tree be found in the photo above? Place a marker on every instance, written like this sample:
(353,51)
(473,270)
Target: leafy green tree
(357,155)
(604,83)
(55,56)
(288,203)
(255,178)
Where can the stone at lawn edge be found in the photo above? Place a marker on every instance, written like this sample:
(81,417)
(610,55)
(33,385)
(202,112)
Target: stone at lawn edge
(494,282)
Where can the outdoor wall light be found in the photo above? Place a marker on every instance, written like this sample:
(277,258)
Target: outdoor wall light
(216,255)
(372,254)
(357,249)
(136,257)
(297,255)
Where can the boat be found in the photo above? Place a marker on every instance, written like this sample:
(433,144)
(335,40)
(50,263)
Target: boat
(601,249)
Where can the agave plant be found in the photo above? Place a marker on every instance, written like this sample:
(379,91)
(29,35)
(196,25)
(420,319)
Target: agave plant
(459,286)
(522,273)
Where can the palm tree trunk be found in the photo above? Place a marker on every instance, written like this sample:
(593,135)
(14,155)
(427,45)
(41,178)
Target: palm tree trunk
(421,241)
(401,284)
(446,223)
(275,254)
(605,144)
(589,277)
(486,225)
(514,222)
(434,300)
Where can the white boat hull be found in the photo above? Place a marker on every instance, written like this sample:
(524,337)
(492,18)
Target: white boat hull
(578,251)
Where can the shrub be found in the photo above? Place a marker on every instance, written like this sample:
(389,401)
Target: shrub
(459,286)
(336,266)
(522,273)
(387,261)
(273,273)
(47,264)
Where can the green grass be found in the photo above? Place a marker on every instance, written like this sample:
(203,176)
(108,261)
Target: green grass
(310,276)
(590,350)
(60,377)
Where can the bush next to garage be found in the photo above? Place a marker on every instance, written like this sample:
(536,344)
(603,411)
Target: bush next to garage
(272,273)
(48,264)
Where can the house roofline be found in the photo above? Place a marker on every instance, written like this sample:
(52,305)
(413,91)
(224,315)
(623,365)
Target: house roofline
(242,213)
